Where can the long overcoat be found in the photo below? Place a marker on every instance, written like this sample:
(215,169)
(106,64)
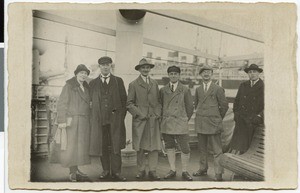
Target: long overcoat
(177,109)
(249,103)
(74,104)
(211,107)
(117,126)
(144,101)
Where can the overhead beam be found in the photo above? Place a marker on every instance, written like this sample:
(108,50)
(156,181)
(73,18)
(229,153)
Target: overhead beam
(111,32)
(208,24)
(243,57)
(73,23)
(179,49)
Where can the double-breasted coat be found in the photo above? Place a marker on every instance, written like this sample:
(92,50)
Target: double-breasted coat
(144,101)
(117,115)
(74,104)
(248,104)
(177,109)
(211,107)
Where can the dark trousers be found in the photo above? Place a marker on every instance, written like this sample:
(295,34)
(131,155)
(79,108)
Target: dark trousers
(110,161)
(214,140)
(182,140)
(73,169)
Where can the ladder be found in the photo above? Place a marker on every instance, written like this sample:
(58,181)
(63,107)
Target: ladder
(40,126)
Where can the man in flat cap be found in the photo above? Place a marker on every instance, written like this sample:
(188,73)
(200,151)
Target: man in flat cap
(177,105)
(108,134)
(144,104)
(248,109)
(211,107)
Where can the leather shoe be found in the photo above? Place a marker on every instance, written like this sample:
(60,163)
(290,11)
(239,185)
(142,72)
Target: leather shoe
(141,174)
(81,174)
(118,177)
(152,176)
(171,174)
(186,176)
(219,177)
(73,177)
(200,172)
(104,175)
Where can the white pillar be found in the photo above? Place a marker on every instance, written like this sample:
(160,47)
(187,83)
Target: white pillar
(129,50)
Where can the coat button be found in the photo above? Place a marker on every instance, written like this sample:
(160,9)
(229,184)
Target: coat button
(176,101)
(245,96)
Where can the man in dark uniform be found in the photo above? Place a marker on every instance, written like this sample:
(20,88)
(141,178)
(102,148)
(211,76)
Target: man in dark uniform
(248,110)
(108,134)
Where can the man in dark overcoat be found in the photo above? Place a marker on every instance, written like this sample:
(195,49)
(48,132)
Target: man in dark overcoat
(211,106)
(108,136)
(248,110)
(144,104)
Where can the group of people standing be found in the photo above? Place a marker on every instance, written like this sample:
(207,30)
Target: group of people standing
(92,116)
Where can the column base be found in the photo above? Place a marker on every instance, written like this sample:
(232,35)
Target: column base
(128,158)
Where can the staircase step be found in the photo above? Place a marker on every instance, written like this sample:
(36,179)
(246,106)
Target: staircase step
(41,119)
(41,110)
(41,135)
(41,143)
(41,127)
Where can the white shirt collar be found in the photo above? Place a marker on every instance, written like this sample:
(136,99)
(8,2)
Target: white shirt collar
(145,78)
(255,81)
(101,75)
(175,85)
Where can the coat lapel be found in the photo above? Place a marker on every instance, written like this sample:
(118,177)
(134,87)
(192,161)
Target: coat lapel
(96,88)
(210,90)
(84,94)
(76,87)
(142,83)
(178,90)
(150,84)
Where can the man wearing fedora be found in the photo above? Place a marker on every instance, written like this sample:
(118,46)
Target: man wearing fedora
(178,108)
(211,106)
(248,109)
(108,136)
(143,103)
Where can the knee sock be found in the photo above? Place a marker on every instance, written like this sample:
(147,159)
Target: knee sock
(185,158)
(171,158)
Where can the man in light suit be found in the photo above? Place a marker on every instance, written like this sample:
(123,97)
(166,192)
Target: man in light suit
(211,107)
(144,104)
(177,104)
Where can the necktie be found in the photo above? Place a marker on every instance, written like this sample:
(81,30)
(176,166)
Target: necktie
(205,87)
(252,83)
(172,87)
(147,81)
(105,78)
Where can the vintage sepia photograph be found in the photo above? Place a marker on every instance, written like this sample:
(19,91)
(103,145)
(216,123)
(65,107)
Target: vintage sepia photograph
(145,94)
(132,94)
